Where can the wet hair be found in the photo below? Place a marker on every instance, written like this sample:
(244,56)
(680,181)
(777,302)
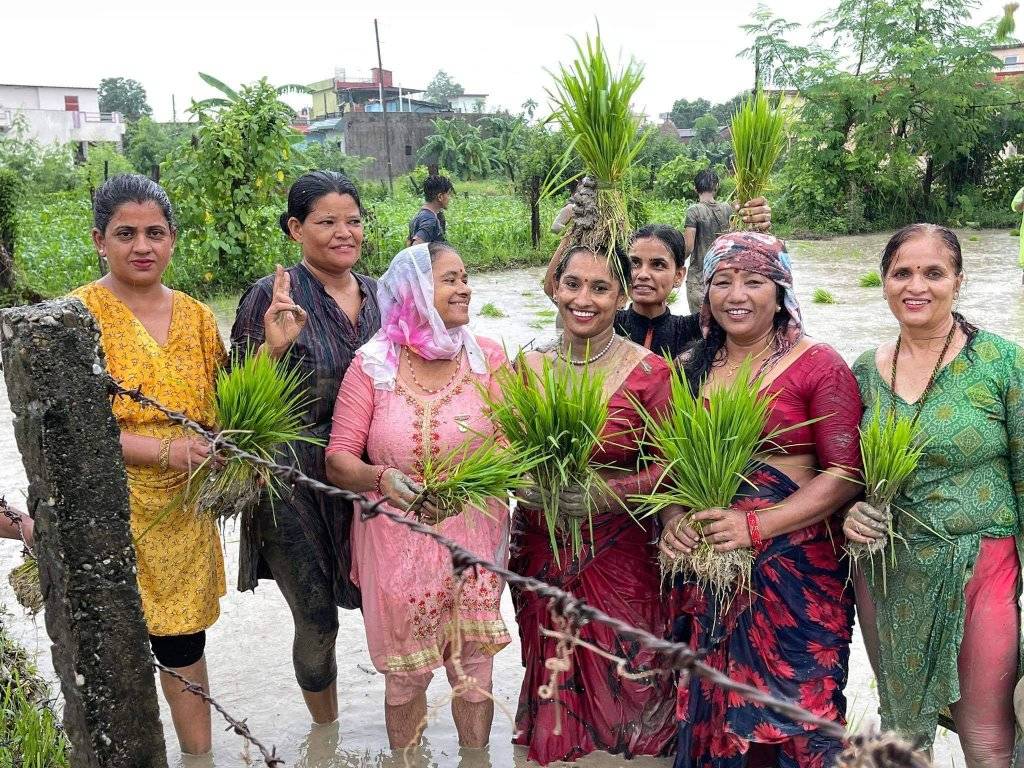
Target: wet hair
(620,267)
(436,185)
(437,247)
(706,181)
(129,188)
(670,237)
(949,241)
(699,357)
(309,188)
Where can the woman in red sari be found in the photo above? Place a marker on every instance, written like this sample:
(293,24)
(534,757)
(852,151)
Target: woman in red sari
(617,570)
(789,634)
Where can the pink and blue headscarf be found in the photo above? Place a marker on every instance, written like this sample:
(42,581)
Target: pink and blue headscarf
(766,255)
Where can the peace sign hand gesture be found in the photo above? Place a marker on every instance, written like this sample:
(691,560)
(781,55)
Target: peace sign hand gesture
(284,319)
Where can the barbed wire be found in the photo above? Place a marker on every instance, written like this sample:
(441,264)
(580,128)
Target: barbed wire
(238,726)
(673,655)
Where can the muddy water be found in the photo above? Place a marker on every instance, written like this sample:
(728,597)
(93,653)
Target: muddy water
(249,647)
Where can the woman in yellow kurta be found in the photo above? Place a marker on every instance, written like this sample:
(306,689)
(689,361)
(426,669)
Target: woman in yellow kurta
(166,344)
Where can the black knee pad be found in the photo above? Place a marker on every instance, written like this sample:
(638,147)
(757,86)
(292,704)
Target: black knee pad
(177,651)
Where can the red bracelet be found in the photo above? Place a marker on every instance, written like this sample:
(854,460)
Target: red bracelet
(754,527)
(380,476)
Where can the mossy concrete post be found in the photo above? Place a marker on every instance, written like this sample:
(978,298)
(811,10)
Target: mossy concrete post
(69,443)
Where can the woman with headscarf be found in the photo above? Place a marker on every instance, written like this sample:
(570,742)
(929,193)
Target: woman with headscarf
(789,634)
(413,392)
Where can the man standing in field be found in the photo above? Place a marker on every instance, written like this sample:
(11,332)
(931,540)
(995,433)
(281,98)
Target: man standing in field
(428,225)
(705,221)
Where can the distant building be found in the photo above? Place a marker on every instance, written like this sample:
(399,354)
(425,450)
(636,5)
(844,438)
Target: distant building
(686,135)
(472,103)
(1012,57)
(349,91)
(60,114)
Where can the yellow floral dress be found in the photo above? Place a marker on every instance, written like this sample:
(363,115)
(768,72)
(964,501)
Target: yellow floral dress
(180,563)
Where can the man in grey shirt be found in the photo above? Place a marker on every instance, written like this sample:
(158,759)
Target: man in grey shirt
(428,225)
(705,220)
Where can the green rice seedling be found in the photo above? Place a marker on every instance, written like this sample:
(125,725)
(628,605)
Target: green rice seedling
(891,447)
(558,416)
(672,296)
(592,104)
(821,296)
(468,476)
(489,310)
(758,138)
(871,280)
(539,324)
(259,405)
(707,452)
(24,581)
(1007,25)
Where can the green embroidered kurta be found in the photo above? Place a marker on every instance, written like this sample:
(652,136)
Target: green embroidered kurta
(969,485)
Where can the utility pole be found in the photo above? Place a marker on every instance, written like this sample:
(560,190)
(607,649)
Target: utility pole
(383,108)
(174,110)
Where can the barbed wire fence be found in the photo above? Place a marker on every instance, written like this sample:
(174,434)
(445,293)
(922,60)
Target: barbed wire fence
(569,613)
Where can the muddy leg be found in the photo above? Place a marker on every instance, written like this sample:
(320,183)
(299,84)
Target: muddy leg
(404,721)
(473,721)
(189,713)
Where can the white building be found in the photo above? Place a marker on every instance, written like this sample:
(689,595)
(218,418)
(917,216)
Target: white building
(58,114)
(473,103)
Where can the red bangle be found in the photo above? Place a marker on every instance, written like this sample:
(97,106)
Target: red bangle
(754,527)
(380,476)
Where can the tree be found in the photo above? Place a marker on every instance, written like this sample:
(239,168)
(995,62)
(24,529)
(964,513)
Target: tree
(684,112)
(460,146)
(149,143)
(124,95)
(442,89)
(229,184)
(507,136)
(706,129)
(231,96)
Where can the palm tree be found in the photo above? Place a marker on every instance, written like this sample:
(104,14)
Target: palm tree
(231,95)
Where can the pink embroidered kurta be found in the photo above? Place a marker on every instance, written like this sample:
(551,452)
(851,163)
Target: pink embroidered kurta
(406,580)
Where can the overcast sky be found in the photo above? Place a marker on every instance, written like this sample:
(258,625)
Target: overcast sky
(688,48)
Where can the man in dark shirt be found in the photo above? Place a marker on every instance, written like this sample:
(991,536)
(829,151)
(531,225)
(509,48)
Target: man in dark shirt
(428,224)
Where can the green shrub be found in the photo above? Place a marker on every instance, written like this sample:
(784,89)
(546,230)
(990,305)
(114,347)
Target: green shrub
(11,189)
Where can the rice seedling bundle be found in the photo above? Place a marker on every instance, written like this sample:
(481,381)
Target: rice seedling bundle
(24,581)
(469,477)
(259,405)
(707,451)
(591,102)
(557,416)
(891,447)
(870,280)
(822,296)
(758,138)
(1006,26)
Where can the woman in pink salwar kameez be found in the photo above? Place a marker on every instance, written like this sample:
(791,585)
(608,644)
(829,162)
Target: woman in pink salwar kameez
(412,392)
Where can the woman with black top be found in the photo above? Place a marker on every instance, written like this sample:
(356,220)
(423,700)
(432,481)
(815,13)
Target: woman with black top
(314,315)
(656,253)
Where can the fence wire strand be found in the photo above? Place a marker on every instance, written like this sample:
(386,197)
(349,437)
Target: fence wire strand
(672,655)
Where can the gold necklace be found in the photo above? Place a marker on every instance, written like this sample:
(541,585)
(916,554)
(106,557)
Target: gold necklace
(412,372)
(733,368)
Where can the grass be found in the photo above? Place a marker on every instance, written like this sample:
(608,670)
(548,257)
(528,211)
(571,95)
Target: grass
(758,138)
(870,280)
(821,296)
(592,104)
(557,415)
(29,730)
(707,452)
(468,477)
(546,314)
(259,405)
(489,310)
(891,447)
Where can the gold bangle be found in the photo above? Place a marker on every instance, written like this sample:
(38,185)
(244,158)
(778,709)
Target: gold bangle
(165,454)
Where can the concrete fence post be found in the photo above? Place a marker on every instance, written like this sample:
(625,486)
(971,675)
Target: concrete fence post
(69,443)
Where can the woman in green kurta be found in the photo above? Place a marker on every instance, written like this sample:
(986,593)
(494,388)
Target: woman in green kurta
(947,621)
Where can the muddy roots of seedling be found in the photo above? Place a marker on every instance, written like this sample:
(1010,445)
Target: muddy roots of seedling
(881,751)
(226,501)
(723,574)
(24,580)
